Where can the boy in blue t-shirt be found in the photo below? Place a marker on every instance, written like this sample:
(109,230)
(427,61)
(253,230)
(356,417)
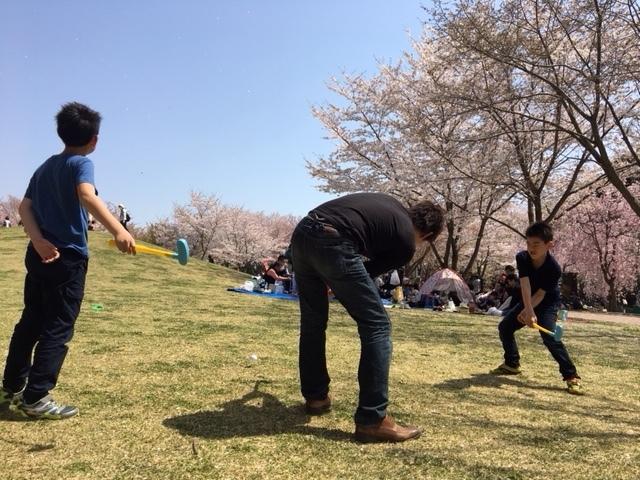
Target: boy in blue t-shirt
(54,213)
(539,284)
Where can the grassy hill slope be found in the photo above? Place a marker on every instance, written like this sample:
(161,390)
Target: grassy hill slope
(166,389)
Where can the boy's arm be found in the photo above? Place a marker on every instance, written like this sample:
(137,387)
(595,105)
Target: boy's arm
(47,250)
(537,297)
(97,208)
(527,316)
(272,273)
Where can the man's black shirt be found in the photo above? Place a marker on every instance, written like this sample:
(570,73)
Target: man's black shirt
(378,224)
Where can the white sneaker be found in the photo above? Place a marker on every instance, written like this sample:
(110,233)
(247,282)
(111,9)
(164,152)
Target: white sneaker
(46,408)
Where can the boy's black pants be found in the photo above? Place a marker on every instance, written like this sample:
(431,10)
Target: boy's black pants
(546,315)
(52,297)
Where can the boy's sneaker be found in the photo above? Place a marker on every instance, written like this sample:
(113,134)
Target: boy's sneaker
(505,369)
(46,408)
(574,386)
(10,398)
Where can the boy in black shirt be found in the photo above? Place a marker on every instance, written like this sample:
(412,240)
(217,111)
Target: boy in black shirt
(539,277)
(327,249)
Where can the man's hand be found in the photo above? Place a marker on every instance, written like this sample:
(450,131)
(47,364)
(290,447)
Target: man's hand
(527,317)
(125,242)
(47,250)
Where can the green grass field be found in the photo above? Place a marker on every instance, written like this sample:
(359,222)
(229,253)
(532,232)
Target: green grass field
(166,389)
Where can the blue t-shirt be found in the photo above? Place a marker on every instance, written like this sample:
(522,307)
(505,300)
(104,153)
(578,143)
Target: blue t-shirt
(545,277)
(55,204)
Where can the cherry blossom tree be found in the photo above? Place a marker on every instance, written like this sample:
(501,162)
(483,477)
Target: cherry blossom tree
(9,206)
(580,56)
(544,168)
(247,237)
(199,220)
(226,234)
(600,241)
(381,146)
(163,232)
(404,132)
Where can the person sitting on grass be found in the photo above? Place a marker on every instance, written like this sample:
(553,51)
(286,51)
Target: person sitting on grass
(278,271)
(487,300)
(414,296)
(439,299)
(512,287)
(539,277)
(54,212)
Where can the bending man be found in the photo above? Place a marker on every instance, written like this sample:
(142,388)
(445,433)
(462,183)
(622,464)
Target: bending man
(327,249)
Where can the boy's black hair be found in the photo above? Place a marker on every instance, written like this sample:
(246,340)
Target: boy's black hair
(509,268)
(541,230)
(77,124)
(281,258)
(428,218)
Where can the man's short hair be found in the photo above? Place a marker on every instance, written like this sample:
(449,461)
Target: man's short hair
(541,230)
(77,124)
(427,218)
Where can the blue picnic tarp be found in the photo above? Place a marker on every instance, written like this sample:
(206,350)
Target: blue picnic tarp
(276,296)
(280,296)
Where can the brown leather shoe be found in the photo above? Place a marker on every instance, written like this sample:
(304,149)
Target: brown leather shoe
(318,407)
(385,431)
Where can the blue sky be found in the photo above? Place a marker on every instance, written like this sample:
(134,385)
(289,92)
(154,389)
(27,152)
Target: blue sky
(213,96)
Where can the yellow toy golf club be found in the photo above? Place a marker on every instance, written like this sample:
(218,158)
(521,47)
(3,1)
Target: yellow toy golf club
(181,254)
(557,335)
(558,331)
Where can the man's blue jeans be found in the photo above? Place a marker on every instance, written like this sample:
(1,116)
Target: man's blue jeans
(324,259)
(546,315)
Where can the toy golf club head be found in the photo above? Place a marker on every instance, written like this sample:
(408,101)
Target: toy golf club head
(182,251)
(558,332)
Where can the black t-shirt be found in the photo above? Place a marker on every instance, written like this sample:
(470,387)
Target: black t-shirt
(378,224)
(280,271)
(546,277)
(515,293)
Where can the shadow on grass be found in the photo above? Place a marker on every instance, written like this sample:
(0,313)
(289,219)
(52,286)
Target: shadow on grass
(491,381)
(33,447)
(608,410)
(559,434)
(7,415)
(496,381)
(255,414)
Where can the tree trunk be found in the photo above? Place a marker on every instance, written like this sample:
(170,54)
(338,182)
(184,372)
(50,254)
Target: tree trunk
(612,297)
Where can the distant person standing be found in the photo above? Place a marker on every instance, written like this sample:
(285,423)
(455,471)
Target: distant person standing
(123,216)
(6,223)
